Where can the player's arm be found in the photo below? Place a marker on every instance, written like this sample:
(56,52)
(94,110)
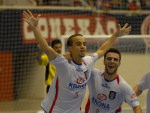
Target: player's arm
(39,55)
(137,109)
(108,43)
(137,90)
(33,22)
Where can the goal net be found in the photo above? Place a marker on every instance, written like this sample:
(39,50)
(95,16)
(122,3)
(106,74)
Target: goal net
(22,80)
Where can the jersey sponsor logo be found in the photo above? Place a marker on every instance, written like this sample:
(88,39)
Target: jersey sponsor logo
(100,104)
(105,85)
(133,96)
(112,95)
(79,69)
(101,97)
(72,85)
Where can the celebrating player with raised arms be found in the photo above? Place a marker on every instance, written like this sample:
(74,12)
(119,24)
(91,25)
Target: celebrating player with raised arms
(68,87)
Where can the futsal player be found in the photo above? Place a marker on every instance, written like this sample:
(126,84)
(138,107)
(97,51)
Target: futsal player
(68,87)
(108,90)
(143,85)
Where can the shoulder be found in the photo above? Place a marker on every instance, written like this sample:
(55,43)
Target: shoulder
(93,56)
(146,78)
(145,82)
(60,62)
(123,84)
(59,58)
(96,72)
(147,75)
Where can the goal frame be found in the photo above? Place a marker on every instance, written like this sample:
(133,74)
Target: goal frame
(64,37)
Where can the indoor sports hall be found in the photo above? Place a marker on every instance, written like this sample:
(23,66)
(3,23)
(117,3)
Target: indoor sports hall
(22,80)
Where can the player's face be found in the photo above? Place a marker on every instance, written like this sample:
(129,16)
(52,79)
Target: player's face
(111,63)
(58,48)
(78,47)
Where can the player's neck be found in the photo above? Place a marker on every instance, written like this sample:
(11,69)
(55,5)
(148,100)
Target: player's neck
(110,77)
(77,60)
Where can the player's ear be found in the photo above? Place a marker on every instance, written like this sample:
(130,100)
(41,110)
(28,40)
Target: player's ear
(69,48)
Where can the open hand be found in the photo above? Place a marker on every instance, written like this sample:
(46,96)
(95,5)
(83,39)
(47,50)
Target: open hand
(123,31)
(30,19)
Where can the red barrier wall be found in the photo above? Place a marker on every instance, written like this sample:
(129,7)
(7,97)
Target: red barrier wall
(6,76)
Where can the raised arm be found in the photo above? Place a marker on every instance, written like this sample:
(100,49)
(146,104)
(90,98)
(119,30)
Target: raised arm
(109,42)
(33,23)
(137,90)
(137,109)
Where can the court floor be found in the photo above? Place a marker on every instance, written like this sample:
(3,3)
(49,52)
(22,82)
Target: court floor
(29,106)
(131,75)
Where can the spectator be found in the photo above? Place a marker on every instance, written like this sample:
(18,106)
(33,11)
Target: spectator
(145,4)
(51,2)
(20,3)
(116,4)
(64,2)
(100,4)
(144,84)
(134,5)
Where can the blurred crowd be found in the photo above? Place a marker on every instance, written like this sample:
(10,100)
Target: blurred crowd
(95,4)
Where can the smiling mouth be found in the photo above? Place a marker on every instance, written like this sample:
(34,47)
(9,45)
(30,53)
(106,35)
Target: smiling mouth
(82,51)
(111,67)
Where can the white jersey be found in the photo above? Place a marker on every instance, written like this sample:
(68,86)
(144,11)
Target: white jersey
(145,84)
(68,88)
(108,96)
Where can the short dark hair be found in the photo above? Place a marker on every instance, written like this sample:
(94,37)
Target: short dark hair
(69,40)
(113,50)
(54,42)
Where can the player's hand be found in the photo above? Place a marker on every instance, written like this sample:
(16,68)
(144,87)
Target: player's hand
(123,31)
(30,19)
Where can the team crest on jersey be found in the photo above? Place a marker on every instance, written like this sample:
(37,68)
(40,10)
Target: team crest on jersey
(112,95)
(80,80)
